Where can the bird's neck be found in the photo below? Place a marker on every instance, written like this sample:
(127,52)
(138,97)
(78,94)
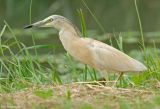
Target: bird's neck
(68,35)
(69,32)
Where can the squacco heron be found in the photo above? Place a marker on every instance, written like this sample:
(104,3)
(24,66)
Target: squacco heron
(94,53)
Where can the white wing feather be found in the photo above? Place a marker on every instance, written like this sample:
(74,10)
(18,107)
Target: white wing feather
(108,58)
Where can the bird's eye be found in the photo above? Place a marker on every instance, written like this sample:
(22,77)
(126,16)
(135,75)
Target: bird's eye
(51,19)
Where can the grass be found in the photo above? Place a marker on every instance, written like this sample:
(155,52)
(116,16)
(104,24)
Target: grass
(27,82)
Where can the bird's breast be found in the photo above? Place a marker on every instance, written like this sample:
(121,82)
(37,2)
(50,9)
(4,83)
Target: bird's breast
(78,48)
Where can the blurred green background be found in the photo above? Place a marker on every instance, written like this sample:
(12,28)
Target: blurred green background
(117,18)
(114,15)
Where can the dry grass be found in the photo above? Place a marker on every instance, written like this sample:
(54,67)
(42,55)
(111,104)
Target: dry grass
(74,95)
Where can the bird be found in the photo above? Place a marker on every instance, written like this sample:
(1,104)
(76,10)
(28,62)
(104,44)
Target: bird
(94,53)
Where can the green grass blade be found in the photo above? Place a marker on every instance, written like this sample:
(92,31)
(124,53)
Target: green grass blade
(13,34)
(83,23)
(94,17)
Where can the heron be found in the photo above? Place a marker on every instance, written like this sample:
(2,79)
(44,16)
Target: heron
(94,53)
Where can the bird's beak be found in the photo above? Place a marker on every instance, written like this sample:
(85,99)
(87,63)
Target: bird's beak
(37,24)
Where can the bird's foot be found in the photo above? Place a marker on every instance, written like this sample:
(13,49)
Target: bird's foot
(119,77)
(102,81)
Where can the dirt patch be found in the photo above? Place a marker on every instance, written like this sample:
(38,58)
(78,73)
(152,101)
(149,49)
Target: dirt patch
(74,95)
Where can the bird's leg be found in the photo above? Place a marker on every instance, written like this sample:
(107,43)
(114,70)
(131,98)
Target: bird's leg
(102,81)
(119,77)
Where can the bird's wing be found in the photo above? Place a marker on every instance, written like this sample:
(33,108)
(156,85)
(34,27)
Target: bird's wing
(110,59)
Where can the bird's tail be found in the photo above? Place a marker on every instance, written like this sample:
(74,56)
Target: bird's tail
(139,66)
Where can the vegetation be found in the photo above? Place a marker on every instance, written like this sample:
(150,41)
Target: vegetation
(32,75)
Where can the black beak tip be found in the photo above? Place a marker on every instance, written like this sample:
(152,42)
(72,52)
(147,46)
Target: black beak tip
(28,26)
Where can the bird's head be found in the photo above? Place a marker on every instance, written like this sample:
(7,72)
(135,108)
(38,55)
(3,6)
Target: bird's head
(55,21)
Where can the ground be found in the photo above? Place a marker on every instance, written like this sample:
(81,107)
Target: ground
(80,96)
